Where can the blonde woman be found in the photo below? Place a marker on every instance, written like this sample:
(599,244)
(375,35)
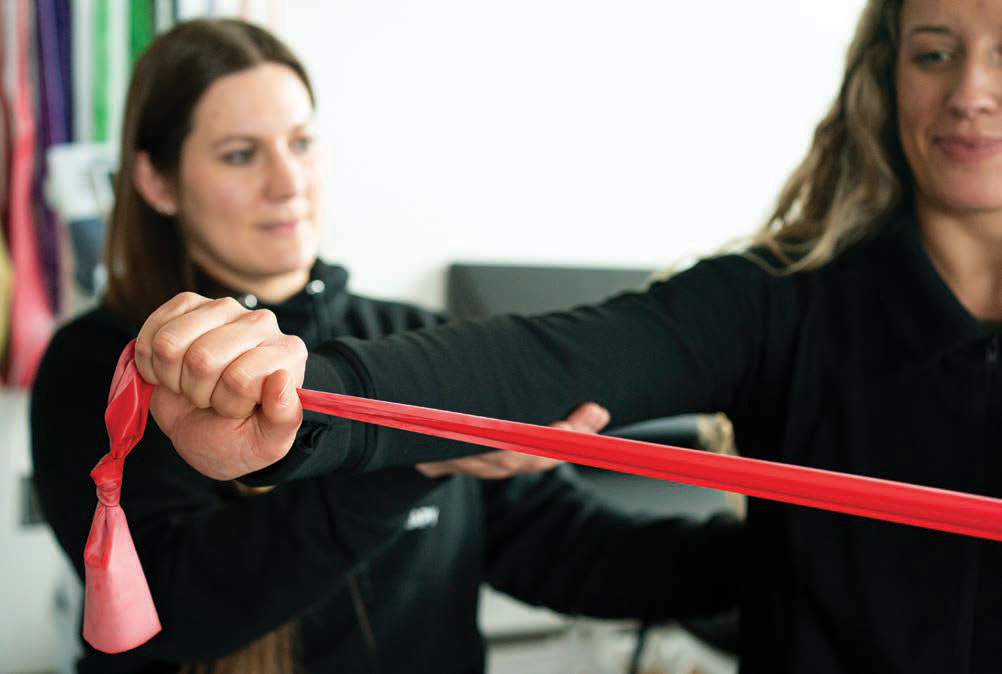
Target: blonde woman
(860,333)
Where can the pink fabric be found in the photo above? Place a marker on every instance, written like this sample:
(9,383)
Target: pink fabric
(32,318)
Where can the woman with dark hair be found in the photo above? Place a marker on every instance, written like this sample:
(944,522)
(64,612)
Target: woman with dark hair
(859,332)
(377,571)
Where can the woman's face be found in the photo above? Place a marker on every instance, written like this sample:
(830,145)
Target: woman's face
(949,89)
(248,184)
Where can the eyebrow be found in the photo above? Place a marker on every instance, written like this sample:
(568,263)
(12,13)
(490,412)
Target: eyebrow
(247,138)
(936,30)
(226,140)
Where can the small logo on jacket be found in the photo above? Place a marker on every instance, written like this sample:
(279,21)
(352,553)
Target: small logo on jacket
(422,517)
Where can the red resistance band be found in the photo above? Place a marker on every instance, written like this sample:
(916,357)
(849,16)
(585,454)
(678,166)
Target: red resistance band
(119,612)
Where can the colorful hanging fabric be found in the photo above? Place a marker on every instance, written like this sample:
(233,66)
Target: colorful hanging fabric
(163,15)
(53,120)
(31,316)
(100,62)
(118,66)
(5,267)
(140,28)
(82,29)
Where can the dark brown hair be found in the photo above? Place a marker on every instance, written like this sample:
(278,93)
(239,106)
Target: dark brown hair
(144,253)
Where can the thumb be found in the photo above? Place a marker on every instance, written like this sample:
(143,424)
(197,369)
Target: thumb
(281,410)
(588,418)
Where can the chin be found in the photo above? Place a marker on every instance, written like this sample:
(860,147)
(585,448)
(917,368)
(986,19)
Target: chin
(294,257)
(972,202)
(967,194)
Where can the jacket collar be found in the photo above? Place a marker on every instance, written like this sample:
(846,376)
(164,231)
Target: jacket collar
(922,312)
(326,281)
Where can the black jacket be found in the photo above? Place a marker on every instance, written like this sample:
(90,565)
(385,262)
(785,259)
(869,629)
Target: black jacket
(868,365)
(224,569)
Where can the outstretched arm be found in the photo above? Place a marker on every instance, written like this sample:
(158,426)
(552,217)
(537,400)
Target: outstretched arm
(691,344)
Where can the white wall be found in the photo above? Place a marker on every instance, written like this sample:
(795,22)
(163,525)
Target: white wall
(605,132)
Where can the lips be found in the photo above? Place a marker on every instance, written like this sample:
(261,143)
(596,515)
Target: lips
(280,227)
(966,148)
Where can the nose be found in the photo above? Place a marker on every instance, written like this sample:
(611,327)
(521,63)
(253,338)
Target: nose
(977,89)
(287,175)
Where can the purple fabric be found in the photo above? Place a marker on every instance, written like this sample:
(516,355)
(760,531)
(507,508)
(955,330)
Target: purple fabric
(5,152)
(53,128)
(63,21)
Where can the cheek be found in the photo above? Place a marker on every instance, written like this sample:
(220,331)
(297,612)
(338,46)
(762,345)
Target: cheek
(909,108)
(315,190)
(213,199)
(917,111)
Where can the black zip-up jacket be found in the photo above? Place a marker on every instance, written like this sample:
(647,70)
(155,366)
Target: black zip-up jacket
(381,569)
(868,365)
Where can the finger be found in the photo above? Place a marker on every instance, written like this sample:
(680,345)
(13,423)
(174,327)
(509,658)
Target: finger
(209,354)
(588,418)
(177,305)
(281,415)
(240,386)
(432,469)
(171,341)
(493,465)
(475,466)
(506,462)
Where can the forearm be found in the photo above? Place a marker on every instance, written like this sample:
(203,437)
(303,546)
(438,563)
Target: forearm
(534,370)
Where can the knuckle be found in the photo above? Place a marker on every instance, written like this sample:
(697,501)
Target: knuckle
(227,304)
(200,361)
(144,349)
(186,299)
(239,381)
(295,346)
(262,318)
(166,346)
(180,303)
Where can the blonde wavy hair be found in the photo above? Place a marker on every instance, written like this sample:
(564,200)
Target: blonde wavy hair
(855,176)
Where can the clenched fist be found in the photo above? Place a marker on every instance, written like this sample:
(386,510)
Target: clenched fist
(226,380)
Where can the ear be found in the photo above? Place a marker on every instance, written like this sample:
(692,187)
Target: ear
(155,189)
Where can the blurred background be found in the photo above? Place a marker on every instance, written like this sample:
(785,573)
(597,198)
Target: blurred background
(470,144)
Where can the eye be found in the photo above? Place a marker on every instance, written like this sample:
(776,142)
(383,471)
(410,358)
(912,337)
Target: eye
(239,157)
(932,57)
(302,144)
